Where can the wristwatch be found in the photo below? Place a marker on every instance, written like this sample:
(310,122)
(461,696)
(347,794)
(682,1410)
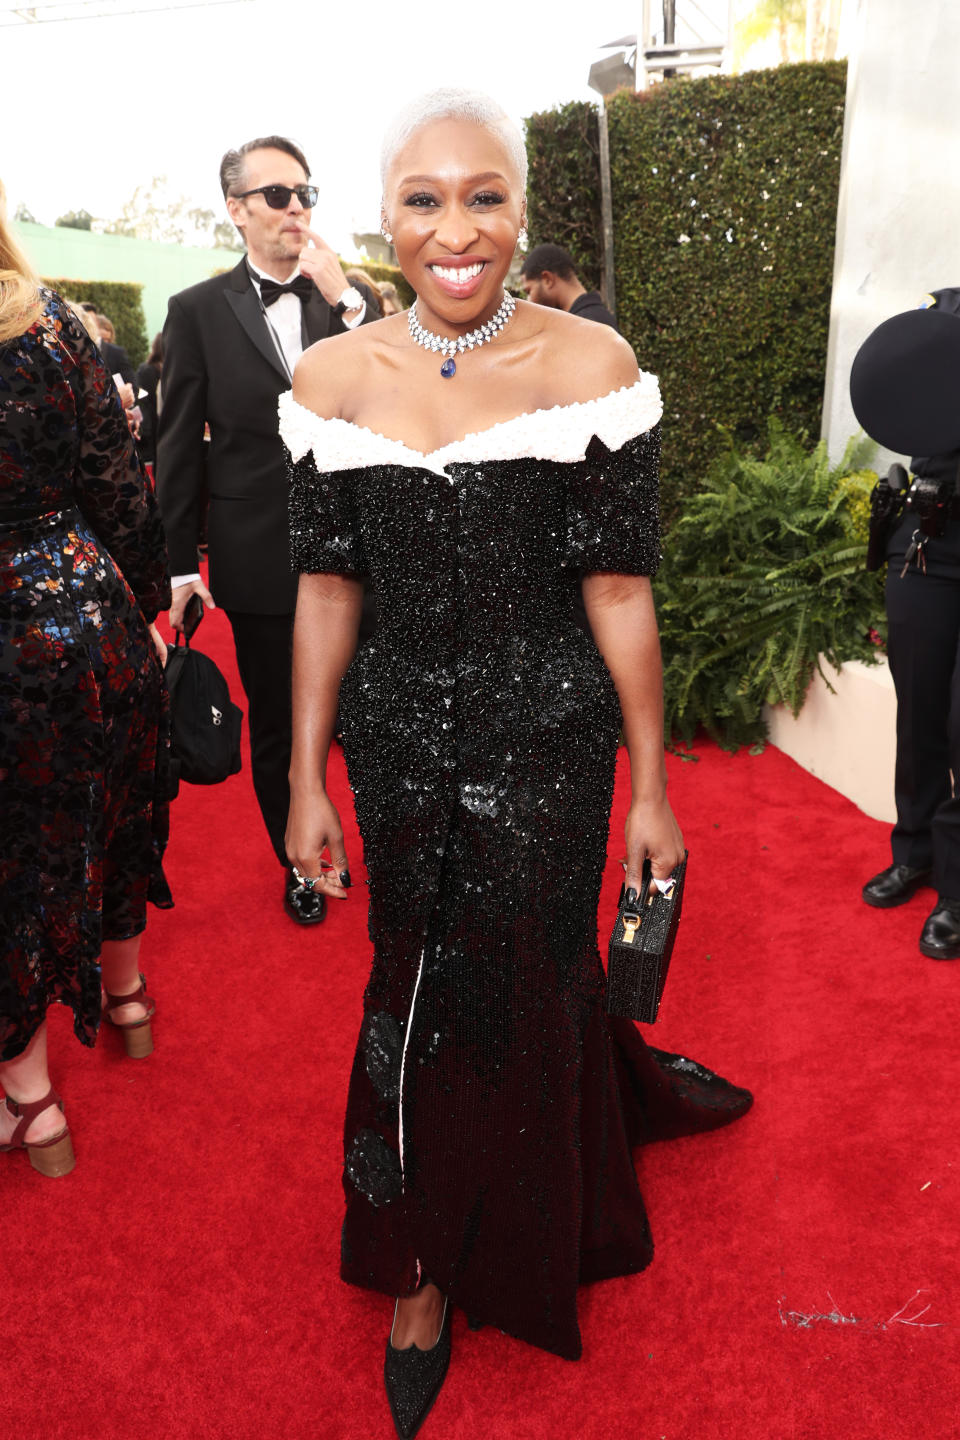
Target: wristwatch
(351,299)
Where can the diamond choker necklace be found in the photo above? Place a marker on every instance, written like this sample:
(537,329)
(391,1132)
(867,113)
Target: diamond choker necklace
(470,341)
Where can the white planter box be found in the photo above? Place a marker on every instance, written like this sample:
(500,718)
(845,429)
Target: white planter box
(847,739)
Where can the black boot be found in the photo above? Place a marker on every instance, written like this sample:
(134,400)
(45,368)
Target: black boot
(895,885)
(940,936)
(413,1378)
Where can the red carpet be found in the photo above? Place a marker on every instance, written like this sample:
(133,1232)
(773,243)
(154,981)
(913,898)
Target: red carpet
(182,1282)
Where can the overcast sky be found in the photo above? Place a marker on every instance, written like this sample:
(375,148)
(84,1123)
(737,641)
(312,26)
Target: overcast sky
(106,104)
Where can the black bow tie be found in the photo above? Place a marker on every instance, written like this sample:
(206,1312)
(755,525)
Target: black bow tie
(271,290)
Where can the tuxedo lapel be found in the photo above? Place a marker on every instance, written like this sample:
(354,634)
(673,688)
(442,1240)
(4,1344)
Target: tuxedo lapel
(245,304)
(316,318)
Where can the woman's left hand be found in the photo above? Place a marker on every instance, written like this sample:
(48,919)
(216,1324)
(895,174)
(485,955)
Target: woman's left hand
(159,644)
(652,831)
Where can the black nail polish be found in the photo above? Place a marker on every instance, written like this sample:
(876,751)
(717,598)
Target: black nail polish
(630,898)
(345,880)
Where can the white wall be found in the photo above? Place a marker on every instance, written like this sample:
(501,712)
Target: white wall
(898,225)
(846,734)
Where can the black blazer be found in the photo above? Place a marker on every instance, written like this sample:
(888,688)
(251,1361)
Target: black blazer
(220,366)
(118,362)
(589,306)
(148,378)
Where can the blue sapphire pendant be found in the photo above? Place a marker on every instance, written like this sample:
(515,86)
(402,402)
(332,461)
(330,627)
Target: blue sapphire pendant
(448,369)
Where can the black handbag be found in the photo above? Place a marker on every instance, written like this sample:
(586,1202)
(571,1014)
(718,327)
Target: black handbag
(641,945)
(204,722)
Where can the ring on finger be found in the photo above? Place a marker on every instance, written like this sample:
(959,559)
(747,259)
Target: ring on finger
(307,881)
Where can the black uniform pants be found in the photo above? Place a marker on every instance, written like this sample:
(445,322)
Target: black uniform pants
(264,651)
(923,611)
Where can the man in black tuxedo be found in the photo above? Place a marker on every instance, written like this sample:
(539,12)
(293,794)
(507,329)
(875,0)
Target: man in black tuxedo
(230,347)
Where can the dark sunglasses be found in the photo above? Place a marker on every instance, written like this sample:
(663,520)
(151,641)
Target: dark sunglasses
(278,196)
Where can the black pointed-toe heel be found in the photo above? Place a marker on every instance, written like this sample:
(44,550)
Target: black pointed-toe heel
(413,1378)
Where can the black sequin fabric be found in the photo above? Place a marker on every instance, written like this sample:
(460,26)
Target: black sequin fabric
(83,782)
(480,729)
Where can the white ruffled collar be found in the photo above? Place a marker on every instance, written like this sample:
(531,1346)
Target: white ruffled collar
(561,433)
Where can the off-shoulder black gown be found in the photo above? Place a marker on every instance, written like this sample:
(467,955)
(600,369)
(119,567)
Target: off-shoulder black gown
(83,814)
(493,1105)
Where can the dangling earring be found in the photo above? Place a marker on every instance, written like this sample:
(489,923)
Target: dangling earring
(385,232)
(522,236)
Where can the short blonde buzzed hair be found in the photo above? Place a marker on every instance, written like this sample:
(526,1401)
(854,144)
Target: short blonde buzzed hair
(453,104)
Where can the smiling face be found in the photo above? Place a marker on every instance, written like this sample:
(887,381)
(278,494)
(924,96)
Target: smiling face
(274,240)
(453,202)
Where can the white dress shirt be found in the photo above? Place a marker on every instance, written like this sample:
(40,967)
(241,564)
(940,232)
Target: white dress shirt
(285,317)
(284,322)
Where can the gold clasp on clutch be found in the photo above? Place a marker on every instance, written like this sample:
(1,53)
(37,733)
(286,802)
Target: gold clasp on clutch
(631,924)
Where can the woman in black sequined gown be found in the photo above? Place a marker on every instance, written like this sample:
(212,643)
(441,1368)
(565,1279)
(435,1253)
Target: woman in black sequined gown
(493,1106)
(83,816)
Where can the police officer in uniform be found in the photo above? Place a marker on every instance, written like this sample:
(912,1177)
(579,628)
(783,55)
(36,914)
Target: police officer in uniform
(923,613)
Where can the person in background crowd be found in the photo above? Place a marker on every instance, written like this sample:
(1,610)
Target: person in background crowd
(91,323)
(390,302)
(83,778)
(549,278)
(115,358)
(230,347)
(87,316)
(923,647)
(148,380)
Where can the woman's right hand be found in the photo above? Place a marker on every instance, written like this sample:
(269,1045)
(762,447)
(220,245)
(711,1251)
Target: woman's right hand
(312,827)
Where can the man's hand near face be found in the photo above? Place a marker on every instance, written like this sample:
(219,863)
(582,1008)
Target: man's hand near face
(322,266)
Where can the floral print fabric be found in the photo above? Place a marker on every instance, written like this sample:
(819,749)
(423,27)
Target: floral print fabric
(83,815)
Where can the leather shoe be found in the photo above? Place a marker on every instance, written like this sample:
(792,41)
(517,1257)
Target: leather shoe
(895,885)
(940,936)
(307,907)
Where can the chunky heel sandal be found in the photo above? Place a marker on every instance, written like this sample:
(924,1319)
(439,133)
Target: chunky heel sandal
(137,1034)
(53,1156)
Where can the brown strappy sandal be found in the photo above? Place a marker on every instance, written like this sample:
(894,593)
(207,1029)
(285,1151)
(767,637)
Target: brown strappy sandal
(53,1156)
(137,1034)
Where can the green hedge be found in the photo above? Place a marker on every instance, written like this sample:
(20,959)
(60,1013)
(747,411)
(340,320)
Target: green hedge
(724,205)
(121,301)
(725,201)
(764,574)
(563,185)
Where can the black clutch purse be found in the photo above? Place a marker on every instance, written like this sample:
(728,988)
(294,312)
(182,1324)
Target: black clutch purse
(641,946)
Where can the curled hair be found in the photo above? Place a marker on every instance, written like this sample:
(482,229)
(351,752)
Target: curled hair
(232,165)
(20,300)
(453,104)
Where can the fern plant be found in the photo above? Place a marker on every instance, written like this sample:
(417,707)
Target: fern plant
(763,576)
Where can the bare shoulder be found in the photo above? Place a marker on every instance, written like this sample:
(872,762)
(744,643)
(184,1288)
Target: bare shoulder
(586,360)
(331,370)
